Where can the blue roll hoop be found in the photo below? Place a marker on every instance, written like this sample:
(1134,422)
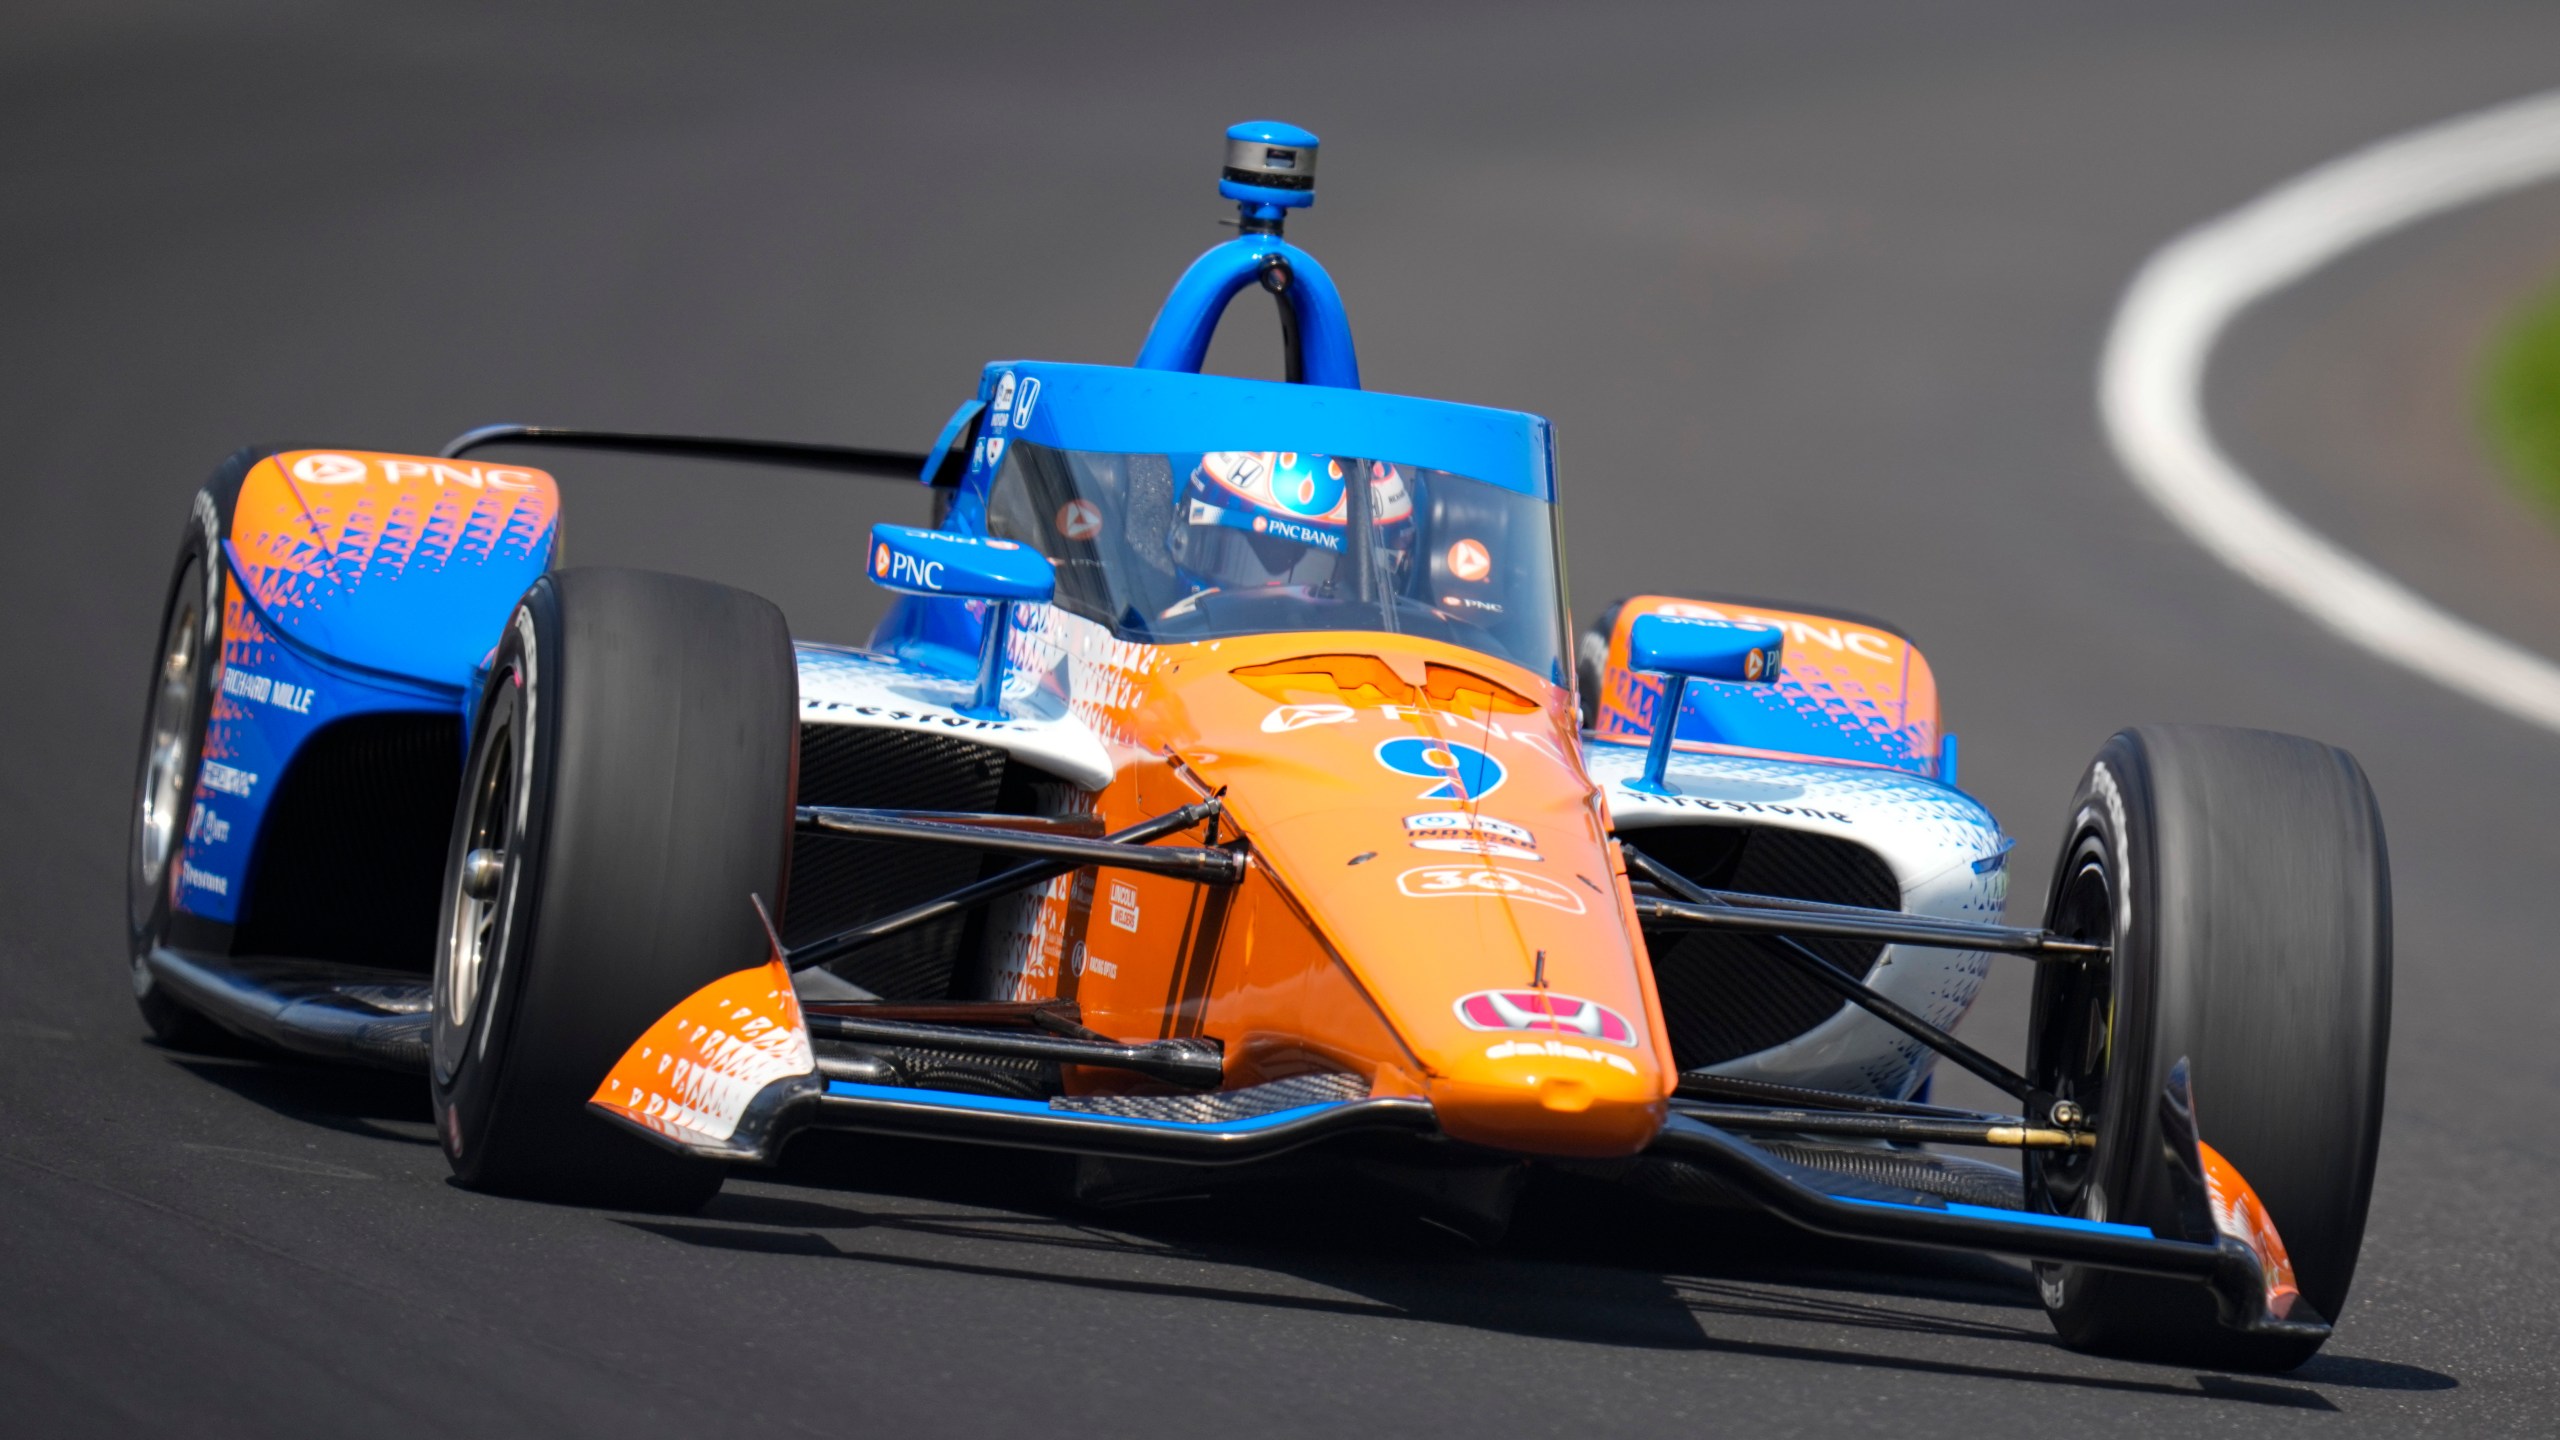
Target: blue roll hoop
(1270,171)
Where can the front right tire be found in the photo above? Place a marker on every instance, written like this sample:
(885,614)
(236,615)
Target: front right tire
(175,717)
(2242,880)
(629,786)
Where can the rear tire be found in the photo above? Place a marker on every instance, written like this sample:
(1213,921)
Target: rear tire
(2241,877)
(633,766)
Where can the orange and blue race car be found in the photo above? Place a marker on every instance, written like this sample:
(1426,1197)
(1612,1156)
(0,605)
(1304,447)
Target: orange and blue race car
(1226,792)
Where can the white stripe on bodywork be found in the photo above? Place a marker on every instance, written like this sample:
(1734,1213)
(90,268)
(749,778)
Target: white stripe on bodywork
(843,686)
(1931,836)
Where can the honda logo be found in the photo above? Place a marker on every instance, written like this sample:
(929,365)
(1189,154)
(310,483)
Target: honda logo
(1544,1010)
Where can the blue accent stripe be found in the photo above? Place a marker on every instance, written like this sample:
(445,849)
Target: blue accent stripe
(1001,1105)
(2026,1218)
(1106,407)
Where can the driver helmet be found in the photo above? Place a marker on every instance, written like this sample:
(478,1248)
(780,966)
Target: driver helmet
(1251,518)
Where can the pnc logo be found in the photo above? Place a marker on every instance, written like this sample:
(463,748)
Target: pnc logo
(910,572)
(330,468)
(1469,561)
(1078,519)
(1463,771)
(327,469)
(880,561)
(1547,1011)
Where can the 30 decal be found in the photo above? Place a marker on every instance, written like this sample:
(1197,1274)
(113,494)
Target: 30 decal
(1434,882)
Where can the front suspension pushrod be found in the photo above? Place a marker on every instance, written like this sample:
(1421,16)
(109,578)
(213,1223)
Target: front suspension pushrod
(1849,987)
(1205,864)
(844,942)
(1772,915)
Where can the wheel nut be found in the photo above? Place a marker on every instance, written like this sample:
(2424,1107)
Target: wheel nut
(481,872)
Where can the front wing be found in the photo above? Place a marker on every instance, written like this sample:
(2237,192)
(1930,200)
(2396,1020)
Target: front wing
(730,1074)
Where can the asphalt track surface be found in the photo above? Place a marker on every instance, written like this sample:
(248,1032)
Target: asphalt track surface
(1814,294)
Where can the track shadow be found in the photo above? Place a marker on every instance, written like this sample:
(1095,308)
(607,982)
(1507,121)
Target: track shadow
(376,1104)
(1583,1262)
(1562,1220)
(2352,1373)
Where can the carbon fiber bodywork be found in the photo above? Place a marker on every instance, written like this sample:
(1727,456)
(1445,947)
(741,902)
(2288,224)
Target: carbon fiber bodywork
(1226,1105)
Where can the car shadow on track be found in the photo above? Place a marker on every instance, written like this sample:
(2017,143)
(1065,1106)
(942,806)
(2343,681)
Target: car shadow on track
(375,1104)
(1582,1262)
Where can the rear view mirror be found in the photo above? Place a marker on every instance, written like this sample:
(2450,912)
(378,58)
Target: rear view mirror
(915,561)
(1682,649)
(1686,648)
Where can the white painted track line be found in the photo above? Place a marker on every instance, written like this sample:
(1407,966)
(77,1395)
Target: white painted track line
(2151,384)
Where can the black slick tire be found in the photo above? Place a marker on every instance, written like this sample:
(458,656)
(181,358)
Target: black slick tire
(2242,879)
(629,786)
(187,659)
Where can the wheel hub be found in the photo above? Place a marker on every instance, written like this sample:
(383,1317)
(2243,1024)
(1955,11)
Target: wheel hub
(169,749)
(474,928)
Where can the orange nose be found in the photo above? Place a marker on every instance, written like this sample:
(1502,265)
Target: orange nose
(1551,1097)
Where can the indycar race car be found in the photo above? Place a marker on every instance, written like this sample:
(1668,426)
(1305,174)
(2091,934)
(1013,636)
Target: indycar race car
(1226,788)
